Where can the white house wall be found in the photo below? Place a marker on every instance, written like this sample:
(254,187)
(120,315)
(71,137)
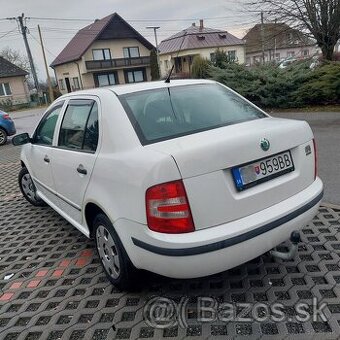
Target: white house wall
(204,53)
(70,70)
(116,48)
(252,58)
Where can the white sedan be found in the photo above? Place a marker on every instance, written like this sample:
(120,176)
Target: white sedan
(184,179)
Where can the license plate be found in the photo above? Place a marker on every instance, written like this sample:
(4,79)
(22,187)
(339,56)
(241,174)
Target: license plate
(263,170)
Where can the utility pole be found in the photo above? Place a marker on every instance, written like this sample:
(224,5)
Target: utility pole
(155,28)
(23,30)
(46,67)
(262,36)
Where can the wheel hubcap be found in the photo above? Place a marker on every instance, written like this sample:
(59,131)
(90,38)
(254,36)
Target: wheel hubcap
(28,187)
(2,137)
(108,252)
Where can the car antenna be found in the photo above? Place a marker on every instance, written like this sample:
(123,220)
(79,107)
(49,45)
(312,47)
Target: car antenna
(167,80)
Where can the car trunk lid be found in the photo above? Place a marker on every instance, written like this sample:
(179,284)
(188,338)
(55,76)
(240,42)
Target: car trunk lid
(205,161)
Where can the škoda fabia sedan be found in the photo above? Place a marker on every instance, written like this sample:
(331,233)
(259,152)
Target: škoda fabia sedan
(184,179)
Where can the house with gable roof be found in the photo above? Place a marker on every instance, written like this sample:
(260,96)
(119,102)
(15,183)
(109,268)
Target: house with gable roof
(107,52)
(181,48)
(276,42)
(13,84)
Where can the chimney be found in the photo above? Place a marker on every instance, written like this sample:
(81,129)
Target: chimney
(201,24)
(193,24)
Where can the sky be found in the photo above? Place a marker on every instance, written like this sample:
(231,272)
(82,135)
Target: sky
(172,16)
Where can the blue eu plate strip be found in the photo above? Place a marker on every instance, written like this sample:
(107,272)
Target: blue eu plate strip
(237,178)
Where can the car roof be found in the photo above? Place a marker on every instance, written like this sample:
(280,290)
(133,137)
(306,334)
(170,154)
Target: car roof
(136,87)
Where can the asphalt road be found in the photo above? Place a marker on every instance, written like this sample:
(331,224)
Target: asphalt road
(26,121)
(326,127)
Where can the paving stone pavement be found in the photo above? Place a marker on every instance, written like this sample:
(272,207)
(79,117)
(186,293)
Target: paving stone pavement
(53,287)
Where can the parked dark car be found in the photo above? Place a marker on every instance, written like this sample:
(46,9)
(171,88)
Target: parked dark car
(7,127)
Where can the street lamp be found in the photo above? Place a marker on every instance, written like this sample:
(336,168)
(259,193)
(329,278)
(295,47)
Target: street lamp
(155,28)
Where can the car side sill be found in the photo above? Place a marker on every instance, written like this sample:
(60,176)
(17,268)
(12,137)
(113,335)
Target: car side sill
(77,225)
(59,196)
(230,241)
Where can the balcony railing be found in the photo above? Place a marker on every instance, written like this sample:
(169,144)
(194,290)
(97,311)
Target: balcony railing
(117,63)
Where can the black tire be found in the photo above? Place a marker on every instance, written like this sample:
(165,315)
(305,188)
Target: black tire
(124,278)
(28,188)
(3,136)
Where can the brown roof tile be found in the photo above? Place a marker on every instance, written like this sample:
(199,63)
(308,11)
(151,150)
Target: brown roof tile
(7,69)
(196,38)
(116,26)
(276,35)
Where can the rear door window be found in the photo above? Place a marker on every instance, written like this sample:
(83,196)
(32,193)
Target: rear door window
(167,113)
(92,130)
(79,128)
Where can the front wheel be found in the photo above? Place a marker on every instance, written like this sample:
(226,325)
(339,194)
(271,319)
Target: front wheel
(28,188)
(3,136)
(116,263)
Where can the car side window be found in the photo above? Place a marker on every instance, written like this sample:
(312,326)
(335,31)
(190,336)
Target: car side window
(74,126)
(92,130)
(45,131)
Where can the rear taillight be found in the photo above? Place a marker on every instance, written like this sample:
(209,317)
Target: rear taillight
(315,160)
(6,116)
(167,208)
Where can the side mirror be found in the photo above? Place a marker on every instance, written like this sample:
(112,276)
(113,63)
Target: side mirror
(22,138)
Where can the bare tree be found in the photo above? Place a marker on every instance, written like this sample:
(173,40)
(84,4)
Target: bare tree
(317,18)
(16,58)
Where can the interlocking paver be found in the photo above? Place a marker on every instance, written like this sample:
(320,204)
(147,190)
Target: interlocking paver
(53,287)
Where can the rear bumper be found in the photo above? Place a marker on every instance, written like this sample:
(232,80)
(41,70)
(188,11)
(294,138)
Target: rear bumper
(212,250)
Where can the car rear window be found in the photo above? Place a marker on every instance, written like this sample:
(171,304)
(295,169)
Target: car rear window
(167,113)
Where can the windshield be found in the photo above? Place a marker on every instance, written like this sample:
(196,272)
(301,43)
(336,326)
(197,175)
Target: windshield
(167,113)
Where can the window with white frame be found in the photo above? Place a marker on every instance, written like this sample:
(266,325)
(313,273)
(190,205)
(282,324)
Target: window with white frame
(291,54)
(106,79)
(61,84)
(305,53)
(232,55)
(76,83)
(213,57)
(101,54)
(5,89)
(134,76)
(131,52)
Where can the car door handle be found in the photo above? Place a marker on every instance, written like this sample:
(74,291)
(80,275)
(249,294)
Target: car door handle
(46,159)
(81,169)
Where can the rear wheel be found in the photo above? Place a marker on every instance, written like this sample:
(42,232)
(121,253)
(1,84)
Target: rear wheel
(3,136)
(28,188)
(116,263)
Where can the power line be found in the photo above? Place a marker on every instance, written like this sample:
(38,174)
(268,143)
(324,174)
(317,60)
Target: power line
(36,40)
(165,32)
(21,21)
(7,33)
(135,20)
(51,53)
(72,31)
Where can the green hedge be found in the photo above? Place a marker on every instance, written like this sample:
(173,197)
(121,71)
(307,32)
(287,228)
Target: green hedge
(271,87)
